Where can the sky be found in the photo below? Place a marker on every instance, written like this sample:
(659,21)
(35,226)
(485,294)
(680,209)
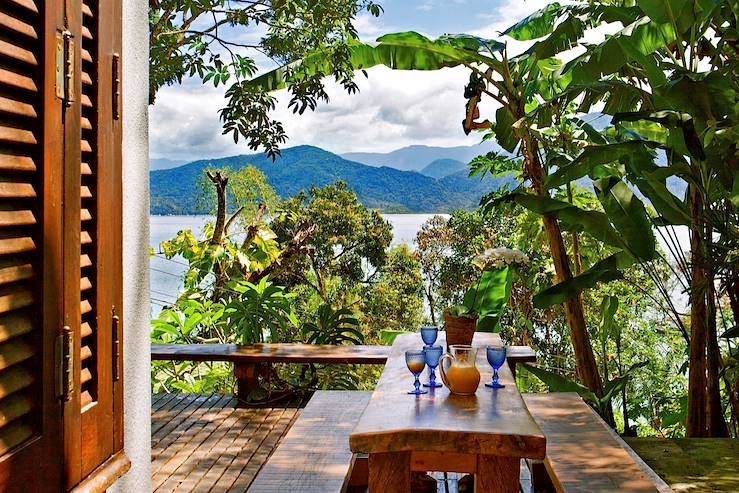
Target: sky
(393,109)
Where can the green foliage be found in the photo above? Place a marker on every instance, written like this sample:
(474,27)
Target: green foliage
(236,259)
(488,298)
(394,298)
(333,327)
(667,79)
(261,312)
(387,337)
(343,284)
(559,383)
(344,235)
(192,320)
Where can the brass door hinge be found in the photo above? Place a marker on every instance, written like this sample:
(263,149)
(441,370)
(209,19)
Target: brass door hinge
(116,347)
(65,364)
(116,86)
(65,67)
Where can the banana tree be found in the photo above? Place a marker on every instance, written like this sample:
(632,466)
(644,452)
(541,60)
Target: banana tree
(670,81)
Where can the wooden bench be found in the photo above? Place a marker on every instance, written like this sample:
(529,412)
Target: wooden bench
(251,361)
(584,455)
(314,456)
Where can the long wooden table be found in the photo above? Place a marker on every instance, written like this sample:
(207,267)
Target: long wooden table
(486,434)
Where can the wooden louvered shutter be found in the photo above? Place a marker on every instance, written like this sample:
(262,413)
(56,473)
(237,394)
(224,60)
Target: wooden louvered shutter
(60,245)
(93,240)
(30,248)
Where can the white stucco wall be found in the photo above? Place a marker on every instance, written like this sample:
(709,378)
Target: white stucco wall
(137,396)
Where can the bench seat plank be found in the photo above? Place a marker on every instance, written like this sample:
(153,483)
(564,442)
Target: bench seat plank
(583,454)
(314,456)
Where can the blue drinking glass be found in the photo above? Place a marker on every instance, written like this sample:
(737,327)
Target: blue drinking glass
(433,355)
(496,357)
(429,333)
(416,362)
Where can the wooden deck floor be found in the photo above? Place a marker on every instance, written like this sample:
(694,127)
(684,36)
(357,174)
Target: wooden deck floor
(204,443)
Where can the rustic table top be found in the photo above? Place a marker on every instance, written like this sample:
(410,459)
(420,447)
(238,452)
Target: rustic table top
(491,422)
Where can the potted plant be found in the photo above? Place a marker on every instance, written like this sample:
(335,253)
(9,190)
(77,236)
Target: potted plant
(484,303)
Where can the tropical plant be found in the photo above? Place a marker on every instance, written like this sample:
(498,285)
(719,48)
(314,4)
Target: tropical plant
(558,383)
(261,312)
(670,86)
(333,327)
(194,319)
(487,299)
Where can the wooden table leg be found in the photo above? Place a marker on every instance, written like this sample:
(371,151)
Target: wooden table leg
(246,379)
(497,474)
(390,472)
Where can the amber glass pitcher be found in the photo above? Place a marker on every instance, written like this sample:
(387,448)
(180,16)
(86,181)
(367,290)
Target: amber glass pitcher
(459,371)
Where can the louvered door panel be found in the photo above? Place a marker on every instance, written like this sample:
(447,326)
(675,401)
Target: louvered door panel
(29,162)
(98,226)
(88,211)
(19,178)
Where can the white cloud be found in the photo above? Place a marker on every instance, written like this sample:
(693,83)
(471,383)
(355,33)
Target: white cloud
(370,27)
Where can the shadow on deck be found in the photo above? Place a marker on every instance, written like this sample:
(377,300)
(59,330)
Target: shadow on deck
(206,443)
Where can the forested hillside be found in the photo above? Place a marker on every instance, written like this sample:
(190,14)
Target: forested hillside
(175,191)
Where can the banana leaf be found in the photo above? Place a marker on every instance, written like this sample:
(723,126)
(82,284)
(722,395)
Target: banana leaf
(608,269)
(559,383)
(400,51)
(627,213)
(489,298)
(636,161)
(673,120)
(684,13)
(536,25)
(565,26)
(634,44)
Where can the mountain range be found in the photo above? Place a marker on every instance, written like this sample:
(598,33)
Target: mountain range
(417,157)
(391,190)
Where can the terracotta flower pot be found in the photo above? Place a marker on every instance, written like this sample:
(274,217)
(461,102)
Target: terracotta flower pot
(459,330)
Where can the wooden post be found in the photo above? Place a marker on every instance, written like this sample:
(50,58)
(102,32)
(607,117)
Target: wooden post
(246,379)
(498,474)
(390,472)
(512,367)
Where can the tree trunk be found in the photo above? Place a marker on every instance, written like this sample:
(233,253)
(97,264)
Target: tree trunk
(432,304)
(697,401)
(219,230)
(587,366)
(715,422)
(732,290)
(221,182)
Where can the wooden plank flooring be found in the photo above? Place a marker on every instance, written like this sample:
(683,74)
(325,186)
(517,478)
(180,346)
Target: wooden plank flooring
(204,443)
